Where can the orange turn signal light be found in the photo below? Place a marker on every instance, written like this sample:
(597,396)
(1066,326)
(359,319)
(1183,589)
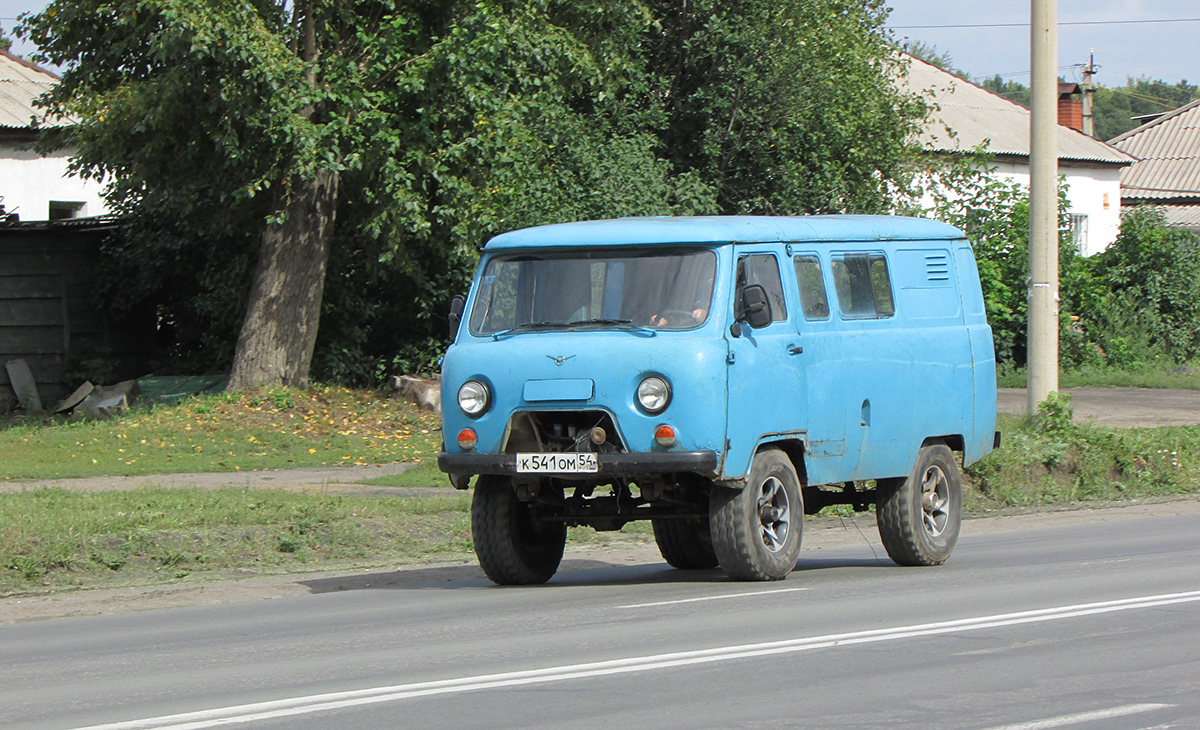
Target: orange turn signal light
(664,435)
(466,439)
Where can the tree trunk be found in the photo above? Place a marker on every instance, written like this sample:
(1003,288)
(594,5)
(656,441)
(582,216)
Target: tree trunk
(278,335)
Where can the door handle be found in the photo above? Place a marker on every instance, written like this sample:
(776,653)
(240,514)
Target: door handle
(795,349)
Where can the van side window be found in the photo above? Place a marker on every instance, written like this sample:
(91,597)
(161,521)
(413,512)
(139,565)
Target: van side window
(863,285)
(812,287)
(761,269)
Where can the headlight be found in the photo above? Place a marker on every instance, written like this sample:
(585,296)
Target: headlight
(474,398)
(654,394)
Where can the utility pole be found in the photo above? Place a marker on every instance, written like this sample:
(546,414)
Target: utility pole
(1042,338)
(1089,96)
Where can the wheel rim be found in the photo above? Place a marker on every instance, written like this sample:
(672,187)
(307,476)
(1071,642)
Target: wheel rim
(774,514)
(935,501)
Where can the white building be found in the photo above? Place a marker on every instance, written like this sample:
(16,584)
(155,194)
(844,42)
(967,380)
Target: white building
(966,116)
(32,186)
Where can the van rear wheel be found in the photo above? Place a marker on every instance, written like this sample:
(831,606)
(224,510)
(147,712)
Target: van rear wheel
(513,547)
(685,543)
(919,516)
(756,530)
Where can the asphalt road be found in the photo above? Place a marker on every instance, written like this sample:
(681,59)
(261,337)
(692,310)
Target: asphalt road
(1094,626)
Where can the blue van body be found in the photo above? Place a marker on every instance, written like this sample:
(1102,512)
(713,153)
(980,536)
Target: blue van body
(844,345)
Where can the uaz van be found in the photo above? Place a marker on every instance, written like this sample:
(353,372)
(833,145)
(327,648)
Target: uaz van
(721,377)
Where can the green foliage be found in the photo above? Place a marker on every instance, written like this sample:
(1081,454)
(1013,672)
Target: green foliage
(1014,91)
(446,124)
(1050,460)
(1151,304)
(1054,416)
(1116,107)
(786,108)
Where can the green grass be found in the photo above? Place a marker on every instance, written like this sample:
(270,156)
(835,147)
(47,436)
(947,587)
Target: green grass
(424,474)
(58,538)
(1185,377)
(224,432)
(54,539)
(1063,463)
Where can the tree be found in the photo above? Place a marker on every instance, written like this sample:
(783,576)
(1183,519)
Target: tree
(238,132)
(1014,91)
(929,53)
(1117,107)
(236,116)
(203,108)
(785,107)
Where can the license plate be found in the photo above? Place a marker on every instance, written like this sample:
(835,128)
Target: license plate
(565,463)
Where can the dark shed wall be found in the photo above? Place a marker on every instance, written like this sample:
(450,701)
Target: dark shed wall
(48,311)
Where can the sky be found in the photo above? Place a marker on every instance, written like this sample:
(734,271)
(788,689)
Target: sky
(1125,46)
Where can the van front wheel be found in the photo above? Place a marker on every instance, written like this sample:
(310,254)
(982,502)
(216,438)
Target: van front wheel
(513,547)
(756,530)
(919,516)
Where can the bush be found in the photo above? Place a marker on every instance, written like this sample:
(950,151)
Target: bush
(1151,302)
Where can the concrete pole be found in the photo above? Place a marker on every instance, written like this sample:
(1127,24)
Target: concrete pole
(1042,337)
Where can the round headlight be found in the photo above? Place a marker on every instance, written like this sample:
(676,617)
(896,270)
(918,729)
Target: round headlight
(654,394)
(473,398)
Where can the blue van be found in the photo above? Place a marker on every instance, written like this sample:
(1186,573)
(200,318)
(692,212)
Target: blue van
(721,377)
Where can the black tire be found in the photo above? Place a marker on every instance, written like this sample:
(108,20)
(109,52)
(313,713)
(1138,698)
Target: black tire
(685,544)
(919,516)
(513,548)
(756,530)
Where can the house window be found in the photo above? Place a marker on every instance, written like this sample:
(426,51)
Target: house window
(1079,233)
(63,209)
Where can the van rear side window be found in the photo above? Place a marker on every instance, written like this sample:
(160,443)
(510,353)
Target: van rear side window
(813,300)
(863,285)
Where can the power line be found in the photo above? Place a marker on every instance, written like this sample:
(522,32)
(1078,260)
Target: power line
(1026,25)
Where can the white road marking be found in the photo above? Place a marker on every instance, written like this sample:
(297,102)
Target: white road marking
(1082,717)
(276,709)
(714,598)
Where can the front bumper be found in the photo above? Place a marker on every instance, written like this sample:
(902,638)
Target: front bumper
(629,464)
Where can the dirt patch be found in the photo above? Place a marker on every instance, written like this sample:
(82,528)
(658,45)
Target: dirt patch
(241,586)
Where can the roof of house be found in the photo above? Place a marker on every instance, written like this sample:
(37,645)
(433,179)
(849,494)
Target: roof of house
(21,82)
(1168,149)
(964,116)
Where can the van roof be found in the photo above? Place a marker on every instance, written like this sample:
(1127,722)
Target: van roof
(725,229)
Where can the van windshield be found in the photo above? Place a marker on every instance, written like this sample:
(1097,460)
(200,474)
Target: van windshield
(659,289)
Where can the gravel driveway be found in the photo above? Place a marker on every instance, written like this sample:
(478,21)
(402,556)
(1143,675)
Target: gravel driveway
(1119,407)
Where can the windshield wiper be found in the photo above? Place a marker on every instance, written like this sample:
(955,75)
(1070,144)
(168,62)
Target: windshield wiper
(623,324)
(530,327)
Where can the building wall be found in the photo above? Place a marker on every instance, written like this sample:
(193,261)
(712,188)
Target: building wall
(1093,195)
(1092,191)
(28,182)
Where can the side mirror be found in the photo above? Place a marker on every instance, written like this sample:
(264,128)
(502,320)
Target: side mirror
(455,316)
(756,308)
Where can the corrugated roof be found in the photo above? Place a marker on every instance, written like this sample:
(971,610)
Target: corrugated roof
(1169,151)
(21,82)
(1182,216)
(964,116)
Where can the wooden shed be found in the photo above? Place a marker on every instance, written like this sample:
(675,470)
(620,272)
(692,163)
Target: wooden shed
(49,314)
